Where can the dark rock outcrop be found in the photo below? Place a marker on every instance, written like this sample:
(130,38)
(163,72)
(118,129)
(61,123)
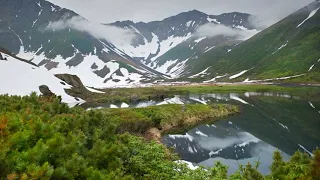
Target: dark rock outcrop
(46,91)
(75,61)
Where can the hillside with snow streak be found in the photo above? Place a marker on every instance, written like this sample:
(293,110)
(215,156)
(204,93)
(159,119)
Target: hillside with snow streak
(286,50)
(171,45)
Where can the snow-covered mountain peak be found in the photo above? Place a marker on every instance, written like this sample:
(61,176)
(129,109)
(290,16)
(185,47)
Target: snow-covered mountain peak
(155,39)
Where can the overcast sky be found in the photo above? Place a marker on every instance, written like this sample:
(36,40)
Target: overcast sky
(106,11)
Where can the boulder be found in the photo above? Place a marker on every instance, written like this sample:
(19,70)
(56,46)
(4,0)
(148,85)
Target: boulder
(46,91)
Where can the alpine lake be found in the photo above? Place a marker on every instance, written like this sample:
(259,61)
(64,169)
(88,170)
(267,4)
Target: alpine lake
(268,122)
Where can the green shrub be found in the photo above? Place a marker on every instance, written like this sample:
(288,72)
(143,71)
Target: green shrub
(43,139)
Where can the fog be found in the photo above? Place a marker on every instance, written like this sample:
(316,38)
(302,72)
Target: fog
(211,30)
(110,33)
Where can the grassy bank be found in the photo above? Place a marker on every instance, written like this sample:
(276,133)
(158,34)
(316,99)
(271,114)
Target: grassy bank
(167,118)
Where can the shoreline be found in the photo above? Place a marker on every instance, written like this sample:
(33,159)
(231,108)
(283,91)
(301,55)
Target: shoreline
(190,84)
(161,91)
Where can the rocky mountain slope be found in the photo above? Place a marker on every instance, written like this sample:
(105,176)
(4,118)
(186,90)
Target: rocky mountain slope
(288,48)
(190,46)
(24,31)
(170,45)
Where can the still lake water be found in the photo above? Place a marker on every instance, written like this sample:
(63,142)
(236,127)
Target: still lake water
(268,122)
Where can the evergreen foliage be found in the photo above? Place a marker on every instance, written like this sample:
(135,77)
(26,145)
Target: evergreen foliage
(40,138)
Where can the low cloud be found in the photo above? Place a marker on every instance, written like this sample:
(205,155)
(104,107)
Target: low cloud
(211,30)
(112,34)
(277,10)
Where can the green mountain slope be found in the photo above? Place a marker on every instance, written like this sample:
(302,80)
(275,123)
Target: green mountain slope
(284,49)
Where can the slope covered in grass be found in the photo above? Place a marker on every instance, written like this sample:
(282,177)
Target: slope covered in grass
(284,49)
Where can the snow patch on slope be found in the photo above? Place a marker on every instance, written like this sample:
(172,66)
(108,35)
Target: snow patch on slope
(311,67)
(178,69)
(306,150)
(141,50)
(209,49)
(239,74)
(93,90)
(310,16)
(213,20)
(188,23)
(282,46)
(272,79)
(246,33)
(200,39)
(202,73)
(170,43)
(165,67)
(215,78)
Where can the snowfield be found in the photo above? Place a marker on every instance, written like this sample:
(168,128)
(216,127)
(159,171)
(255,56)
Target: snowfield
(19,78)
(141,50)
(170,43)
(86,73)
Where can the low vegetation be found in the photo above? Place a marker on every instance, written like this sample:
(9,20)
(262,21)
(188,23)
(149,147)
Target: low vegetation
(167,118)
(41,138)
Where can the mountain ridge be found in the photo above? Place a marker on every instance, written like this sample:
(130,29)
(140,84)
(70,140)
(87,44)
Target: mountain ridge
(63,50)
(156,38)
(180,47)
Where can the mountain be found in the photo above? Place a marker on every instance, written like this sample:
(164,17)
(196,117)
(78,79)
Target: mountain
(190,46)
(23,31)
(170,45)
(290,47)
